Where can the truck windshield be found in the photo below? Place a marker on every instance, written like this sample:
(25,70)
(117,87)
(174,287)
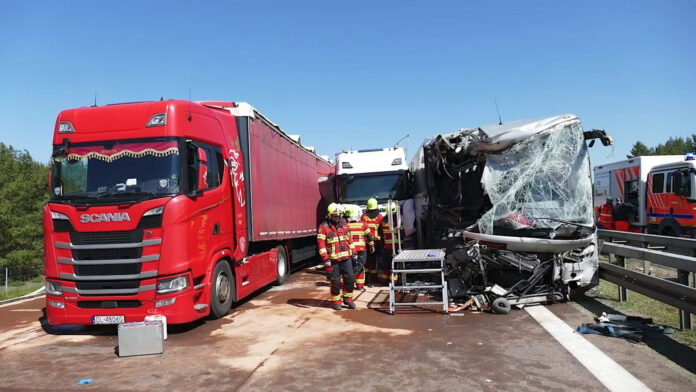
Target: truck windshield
(357,189)
(118,170)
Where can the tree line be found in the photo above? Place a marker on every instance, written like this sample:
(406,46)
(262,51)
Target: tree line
(673,146)
(23,193)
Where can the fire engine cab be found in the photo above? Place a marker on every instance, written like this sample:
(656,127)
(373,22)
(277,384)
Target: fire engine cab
(659,188)
(671,200)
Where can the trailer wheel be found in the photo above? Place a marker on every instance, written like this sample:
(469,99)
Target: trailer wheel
(501,306)
(222,289)
(282,269)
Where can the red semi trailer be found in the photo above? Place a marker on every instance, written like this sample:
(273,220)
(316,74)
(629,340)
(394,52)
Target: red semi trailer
(175,208)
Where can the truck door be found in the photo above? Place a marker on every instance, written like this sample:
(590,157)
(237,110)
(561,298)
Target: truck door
(681,196)
(656,205)
(208,231)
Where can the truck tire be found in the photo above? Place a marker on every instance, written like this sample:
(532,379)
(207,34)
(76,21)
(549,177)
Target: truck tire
(282,270)
(222,289)
(501,306)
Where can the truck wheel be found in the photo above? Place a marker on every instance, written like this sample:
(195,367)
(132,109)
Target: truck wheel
(282,266)
(222,289)
(501,306)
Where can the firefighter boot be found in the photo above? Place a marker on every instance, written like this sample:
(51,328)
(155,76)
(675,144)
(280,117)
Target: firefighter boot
(336,306)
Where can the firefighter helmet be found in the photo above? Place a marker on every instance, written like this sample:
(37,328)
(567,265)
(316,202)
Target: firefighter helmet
(333,209)
(372,203)
(392,207)
(352,213)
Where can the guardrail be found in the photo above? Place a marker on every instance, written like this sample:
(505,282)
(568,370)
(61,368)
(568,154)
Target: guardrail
(673,252)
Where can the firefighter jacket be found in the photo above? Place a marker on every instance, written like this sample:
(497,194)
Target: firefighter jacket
(605,216)
(359,232)
(334,242)
(389,235)
(373,223)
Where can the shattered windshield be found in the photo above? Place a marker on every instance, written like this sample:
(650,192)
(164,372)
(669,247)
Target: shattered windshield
(353,188)
(541,182)
(119,170)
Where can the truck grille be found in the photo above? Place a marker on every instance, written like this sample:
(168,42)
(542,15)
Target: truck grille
(106,237)
(107,284)
(94,263)
(107,254)
(107,269)
(128,303)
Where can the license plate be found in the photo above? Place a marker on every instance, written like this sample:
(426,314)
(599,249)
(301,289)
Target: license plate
(108,319)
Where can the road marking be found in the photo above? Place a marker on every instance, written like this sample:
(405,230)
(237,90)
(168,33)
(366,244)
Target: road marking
(605,369)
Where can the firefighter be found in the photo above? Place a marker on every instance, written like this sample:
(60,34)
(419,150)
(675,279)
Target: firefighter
(606,221)
(621,215)
(373,219)
(336,251)
(391,244)
(362,241)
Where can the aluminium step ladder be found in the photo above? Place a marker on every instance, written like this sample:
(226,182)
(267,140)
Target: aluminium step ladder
(432,261)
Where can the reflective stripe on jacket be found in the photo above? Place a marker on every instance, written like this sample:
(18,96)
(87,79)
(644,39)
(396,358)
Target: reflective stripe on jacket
(389,235)
(334,242)
(605,216)
(359,231)
(373,225)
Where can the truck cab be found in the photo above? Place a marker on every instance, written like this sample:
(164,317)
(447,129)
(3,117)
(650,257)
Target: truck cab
(671,198)
(379,173)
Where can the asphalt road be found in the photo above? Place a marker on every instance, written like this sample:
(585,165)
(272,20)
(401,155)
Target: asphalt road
(288,339)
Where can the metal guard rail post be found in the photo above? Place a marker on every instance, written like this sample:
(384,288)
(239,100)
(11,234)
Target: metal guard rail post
(673,252)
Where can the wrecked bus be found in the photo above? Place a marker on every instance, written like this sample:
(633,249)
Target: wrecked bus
(512,204)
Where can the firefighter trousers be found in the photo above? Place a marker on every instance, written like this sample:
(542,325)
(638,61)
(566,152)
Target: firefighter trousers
(385,269)
(342,270)
(359,269)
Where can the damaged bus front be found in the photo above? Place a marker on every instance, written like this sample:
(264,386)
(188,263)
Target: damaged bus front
(512,203)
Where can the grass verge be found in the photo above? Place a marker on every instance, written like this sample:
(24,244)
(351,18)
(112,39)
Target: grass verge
(13,292)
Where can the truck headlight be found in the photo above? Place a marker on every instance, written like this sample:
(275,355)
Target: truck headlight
(53,288)
(56,304)
(171,285)
(154,211)
(58,215)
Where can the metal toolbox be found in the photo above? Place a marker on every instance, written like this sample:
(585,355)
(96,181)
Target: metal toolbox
(140,338)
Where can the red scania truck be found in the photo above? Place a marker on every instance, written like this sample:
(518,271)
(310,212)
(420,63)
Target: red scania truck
(175,208)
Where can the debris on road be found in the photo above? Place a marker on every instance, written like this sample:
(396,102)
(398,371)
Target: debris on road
(84,381)
(629,328)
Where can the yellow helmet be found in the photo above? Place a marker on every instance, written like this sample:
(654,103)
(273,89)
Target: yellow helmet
(333,209)
(372,203)
(392,207)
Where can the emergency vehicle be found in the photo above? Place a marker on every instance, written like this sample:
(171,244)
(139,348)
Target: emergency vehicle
(648,184)
(175,208)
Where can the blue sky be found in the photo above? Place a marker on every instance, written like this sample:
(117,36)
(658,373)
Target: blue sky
(359,74)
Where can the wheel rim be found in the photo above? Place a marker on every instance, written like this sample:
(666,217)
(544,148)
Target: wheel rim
(222,287)
(281,265)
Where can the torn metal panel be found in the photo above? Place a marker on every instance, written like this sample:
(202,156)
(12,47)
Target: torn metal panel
(513,204)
